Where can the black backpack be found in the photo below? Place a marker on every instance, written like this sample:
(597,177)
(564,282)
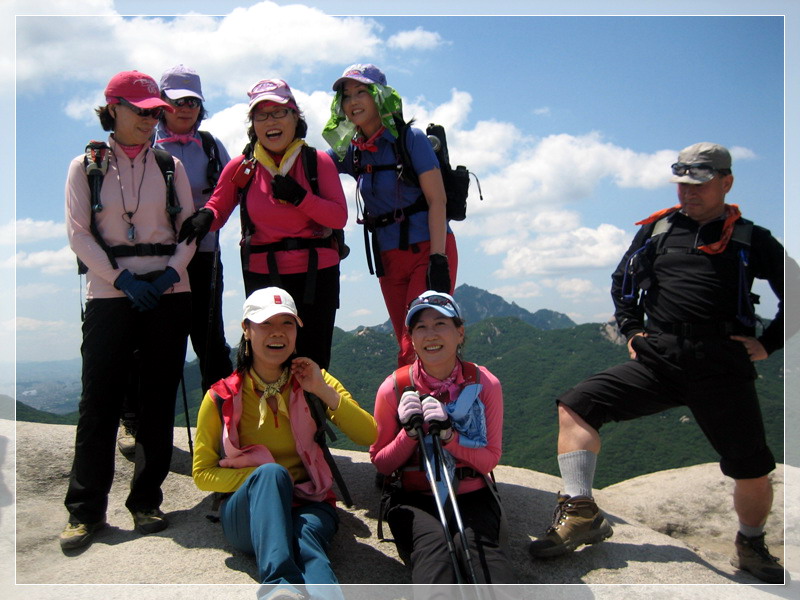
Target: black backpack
(95,162)
(456,186)
(242,178)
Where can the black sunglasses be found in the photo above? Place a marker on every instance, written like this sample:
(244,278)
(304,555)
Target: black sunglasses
(189,101)
(433,300)
(142,112)
(699,171)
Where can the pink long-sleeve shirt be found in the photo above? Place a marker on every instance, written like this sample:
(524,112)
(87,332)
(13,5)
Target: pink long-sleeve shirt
(275,220)
(394,449)
(140,182)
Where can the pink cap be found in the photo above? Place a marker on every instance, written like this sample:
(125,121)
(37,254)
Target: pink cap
(275,90)
(137,88)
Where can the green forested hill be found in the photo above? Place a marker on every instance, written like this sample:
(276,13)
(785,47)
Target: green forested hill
(534,366)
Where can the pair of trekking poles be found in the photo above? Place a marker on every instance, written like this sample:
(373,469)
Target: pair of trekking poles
(436,470)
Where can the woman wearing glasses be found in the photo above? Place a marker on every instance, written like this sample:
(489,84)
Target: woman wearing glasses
(442,403)
(138,301)
(412,244)
(291,201)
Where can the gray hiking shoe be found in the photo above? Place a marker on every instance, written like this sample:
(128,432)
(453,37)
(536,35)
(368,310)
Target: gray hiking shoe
(78,535)
(126,439)
(576,521)
(753,556)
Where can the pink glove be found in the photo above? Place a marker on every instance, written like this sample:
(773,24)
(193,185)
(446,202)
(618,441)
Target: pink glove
(434,414)
(409,411)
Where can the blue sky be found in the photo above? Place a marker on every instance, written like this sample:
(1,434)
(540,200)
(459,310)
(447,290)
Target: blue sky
(571,123)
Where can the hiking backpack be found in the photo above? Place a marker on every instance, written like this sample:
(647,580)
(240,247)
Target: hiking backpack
(95,162)
(456,186)
(636,275)
(242,179)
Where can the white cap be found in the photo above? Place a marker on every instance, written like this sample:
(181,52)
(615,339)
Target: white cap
(268,302)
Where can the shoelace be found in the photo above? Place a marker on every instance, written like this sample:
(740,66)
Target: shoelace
(558,513)
(759,546)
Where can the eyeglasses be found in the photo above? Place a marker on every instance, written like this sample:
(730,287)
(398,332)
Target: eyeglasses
(279,113)
(155,113)
(434,300)
(698,171)
(188,101)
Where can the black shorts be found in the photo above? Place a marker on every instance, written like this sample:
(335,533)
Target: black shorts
(713,377)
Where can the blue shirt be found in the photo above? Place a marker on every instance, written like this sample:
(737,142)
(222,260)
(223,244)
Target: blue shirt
(383,192)
(195,161)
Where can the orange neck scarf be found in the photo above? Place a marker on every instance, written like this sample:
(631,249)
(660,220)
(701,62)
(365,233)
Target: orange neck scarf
(732,214)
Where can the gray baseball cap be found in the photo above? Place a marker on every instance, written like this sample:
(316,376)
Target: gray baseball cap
(703,154)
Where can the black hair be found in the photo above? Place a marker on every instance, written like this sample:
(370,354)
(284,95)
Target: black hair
(244,355)
(106,120)
(457,321)
(300,131)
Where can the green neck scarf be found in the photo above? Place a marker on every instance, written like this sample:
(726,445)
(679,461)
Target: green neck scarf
(339,131)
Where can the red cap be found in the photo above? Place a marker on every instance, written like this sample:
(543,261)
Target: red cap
(137,88)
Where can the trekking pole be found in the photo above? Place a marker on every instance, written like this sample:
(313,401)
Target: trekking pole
(437,445)
(186,412)
(416,422)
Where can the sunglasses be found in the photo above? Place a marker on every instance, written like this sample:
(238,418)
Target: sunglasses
(434,300)
(155,113)
(188,101)
(698,171)
(275,114)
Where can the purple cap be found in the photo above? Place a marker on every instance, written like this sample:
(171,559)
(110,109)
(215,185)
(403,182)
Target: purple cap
(181,82)
(274,90)
(367,74)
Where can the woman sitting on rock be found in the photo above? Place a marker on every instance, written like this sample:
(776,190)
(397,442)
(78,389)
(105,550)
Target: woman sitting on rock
(461,403)
(255,446)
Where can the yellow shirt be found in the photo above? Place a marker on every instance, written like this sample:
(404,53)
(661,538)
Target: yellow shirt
(274,433)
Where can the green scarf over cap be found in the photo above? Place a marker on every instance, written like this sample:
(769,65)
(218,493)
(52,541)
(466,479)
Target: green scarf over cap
(339,131)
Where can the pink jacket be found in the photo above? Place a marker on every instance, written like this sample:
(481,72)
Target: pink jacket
(145,194)
(394,449)
(319,485)
(274,220)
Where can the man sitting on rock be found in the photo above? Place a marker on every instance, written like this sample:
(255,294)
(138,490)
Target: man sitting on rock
(691,340)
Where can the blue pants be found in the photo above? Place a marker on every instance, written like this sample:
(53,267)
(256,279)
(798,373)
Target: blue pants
(289,543)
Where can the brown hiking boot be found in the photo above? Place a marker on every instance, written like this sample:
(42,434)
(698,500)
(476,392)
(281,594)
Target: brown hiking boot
(126,439)
(576,521)
(753,556)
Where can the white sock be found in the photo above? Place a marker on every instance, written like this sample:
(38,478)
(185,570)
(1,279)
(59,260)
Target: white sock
(577,472)
(748,531)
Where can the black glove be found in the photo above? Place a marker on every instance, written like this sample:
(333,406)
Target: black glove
(438,277)
(196,226)
(141,293)
(286,188)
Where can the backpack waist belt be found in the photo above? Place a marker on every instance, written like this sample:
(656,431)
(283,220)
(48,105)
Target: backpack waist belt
(294,244)
(400,216)
(719,329)
(143,250)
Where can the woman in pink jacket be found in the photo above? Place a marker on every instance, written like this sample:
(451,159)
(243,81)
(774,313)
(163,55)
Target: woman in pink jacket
(464,402)
(255,448)
(291,202)
(138,304)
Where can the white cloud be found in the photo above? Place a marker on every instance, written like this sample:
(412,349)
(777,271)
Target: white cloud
(28,230)
(27,324)
(740,153)
(582,248)
(37,290)
(417,38)
(526,289)
(51,262)
(544,111)
(352,276)
(361,312)
(45,45)
(571,287)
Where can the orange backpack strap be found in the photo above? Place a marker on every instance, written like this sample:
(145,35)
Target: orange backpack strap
(472,373)
(403,378)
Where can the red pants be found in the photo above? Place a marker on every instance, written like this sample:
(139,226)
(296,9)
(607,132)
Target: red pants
(405,279)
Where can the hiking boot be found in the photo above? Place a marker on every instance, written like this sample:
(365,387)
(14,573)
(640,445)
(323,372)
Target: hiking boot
(150,521)
(126,439)
(576,521)
(78,535)
(753,556)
